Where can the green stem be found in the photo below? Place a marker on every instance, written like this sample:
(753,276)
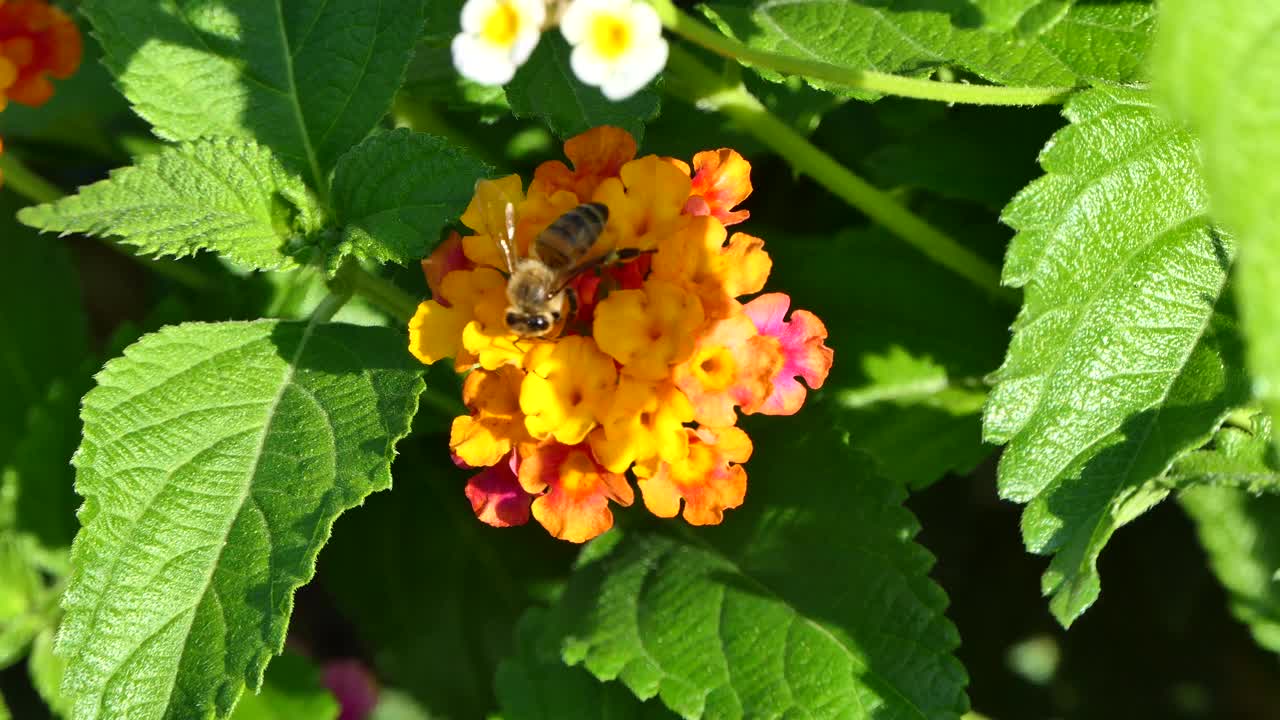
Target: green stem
(22,180)
(395,302)
(950,92)
(689,79)
(329,306)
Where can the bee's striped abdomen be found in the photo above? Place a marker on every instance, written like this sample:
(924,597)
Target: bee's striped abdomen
(567,240)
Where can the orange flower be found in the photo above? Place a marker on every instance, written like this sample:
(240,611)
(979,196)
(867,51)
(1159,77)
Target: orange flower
(731,365)
(698,255)
(658,340)
(447,257)
(573,490)
(495,423)
(709,479)
(596,154)
(37,41)
(721,181)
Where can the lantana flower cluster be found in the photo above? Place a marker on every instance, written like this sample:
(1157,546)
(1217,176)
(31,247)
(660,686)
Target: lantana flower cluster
(647,379)
(37,41)
(617,44)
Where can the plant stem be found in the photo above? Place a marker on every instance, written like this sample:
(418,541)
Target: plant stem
(691,80)
(329,306)
(19,178)
(395,302)
(951,92)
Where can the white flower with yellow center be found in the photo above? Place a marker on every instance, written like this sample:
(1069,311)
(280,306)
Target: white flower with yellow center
(617,44)
(497,37)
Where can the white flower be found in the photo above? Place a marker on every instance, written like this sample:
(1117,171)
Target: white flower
(497,37)
(617,44)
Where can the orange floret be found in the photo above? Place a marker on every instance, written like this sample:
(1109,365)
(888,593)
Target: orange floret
(573,490)
(710,479)
(732,365)
(721,181)
(495,424)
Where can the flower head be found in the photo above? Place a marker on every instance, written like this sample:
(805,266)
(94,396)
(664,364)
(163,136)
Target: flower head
(37,41)
(617,44)
(497,37)
(659,341)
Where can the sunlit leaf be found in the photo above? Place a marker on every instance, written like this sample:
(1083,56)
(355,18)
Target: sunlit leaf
(214,462)
(1123,357)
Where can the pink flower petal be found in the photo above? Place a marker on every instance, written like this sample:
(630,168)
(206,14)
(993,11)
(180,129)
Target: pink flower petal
(496,496)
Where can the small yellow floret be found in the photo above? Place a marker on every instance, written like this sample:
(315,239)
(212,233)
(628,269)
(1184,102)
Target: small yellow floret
(502,25)
(610,35)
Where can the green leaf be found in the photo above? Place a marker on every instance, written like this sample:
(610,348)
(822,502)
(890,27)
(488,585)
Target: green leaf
(1241,534)
(535,685)
(1084,44)
(1120,359)
(440,621)
(214,462)
(395,192)
(1209,63)
(227,195)
(46,670)
(26,605)
(291,690)
(811,597)
(38,343)
(306,79)
(546,88)
(4,710)
(909,355)
(1237,458)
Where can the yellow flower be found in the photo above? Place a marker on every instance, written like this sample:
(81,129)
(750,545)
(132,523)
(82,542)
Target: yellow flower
(646,420)
(650,329)
(567,390)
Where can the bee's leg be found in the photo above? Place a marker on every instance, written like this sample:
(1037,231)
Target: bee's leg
(572,296)
(629,254)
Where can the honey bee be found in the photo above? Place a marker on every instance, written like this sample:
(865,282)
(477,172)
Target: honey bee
(537,286)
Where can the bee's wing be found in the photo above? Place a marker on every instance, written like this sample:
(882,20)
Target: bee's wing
(498,224)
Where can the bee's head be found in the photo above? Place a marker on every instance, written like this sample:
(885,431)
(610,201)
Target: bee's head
(530,324)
